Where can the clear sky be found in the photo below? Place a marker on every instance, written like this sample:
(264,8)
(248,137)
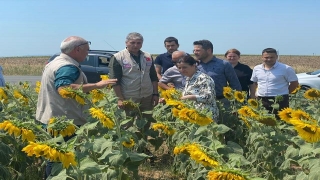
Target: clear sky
(37,27)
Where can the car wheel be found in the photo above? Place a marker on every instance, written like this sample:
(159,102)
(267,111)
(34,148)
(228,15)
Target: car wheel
(305,87)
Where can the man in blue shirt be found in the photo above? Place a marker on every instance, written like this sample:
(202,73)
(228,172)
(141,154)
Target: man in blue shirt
(219,70)
(164,61)
(2,82)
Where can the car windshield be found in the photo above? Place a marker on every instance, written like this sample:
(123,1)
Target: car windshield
(314,72)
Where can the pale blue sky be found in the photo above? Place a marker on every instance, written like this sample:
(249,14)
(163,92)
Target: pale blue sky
(37,27)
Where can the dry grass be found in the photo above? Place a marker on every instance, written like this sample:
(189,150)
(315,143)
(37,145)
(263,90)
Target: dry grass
(33,66)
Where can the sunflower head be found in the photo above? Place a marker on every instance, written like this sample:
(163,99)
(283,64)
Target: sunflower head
(239,96)
(268,120)
(285,114)
(296,90)
(253,103)
(130,105)
(312,94)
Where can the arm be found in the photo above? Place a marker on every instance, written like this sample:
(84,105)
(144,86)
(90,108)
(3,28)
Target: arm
(154,80)
(165,79)
(158,70)
(158,64)
(253,89)
(115,71)
(231,77)
(205,92)
(91,86)
(293,85)
(164,86)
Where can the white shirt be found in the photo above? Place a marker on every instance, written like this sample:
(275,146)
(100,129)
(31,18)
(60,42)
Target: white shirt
(275,81)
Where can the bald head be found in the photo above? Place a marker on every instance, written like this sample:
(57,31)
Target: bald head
(176,55)
(68,44)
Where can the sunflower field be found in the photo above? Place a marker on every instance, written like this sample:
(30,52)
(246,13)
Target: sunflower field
(246,142)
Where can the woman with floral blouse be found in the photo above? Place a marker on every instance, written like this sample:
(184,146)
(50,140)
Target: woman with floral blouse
(199,86)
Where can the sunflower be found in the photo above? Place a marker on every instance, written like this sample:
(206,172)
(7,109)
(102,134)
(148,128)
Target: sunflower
(80,99)
(97,95)
(310,132)
(227,93)
(267,120)
(129,144)
(200,157)
(166,129)
(239,96)
(11,128)
(246,111)
(18,95)
(296,90)
(225,174)
(104,118)
(104,77)
(66,92)
(312,94)
(27,135)
(285,114)
(244,119)
(302,115)
(253,103)
(37,88)
(3,95)
(130,105)
(175,112)
(175,103)
(52,153)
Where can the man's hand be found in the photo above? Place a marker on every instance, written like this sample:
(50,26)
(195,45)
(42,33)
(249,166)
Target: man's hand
(155,100)
(104,83)
(120,104)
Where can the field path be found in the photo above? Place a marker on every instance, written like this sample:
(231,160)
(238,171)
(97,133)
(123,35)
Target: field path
(16,79)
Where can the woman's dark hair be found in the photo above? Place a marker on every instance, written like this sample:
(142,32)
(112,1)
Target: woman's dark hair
(188,60)
(236,51)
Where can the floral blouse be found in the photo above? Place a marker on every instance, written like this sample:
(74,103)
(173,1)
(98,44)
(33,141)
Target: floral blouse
(202,86)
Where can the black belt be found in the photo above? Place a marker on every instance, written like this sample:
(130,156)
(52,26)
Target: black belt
(219,97)
(272,97)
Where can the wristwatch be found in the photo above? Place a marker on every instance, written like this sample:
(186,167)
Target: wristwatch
(155,94)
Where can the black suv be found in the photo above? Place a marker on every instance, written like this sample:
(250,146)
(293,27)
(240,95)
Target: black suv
(95,64)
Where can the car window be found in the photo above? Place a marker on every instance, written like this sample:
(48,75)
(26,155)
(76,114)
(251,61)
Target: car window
(89,61)
(315,72)
(103,61)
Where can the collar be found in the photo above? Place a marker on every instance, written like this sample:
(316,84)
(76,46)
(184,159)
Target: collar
(274,66)
(67,57)
(140,52)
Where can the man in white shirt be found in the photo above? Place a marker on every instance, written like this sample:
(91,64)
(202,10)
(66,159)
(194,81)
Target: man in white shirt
(272,79)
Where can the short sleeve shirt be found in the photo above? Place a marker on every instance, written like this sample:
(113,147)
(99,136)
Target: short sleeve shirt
(275,81)
(66,75)
(173,75)
(165,61)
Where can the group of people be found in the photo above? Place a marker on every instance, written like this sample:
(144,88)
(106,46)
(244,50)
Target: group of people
(134,75)
(272,77)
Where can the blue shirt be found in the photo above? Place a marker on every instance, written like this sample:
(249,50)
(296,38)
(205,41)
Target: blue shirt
(165,61)
(2,82)
(173,75)
(222,74)
(66,75)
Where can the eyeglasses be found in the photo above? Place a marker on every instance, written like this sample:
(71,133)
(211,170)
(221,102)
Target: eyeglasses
(173,62)
(88,42)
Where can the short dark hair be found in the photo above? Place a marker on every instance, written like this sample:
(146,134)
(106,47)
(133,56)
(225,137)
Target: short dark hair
(170,39)
(270,50)
(188,60)
(206,44)
(236,51)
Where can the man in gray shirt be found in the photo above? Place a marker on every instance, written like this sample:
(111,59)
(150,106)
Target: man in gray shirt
(173,75)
